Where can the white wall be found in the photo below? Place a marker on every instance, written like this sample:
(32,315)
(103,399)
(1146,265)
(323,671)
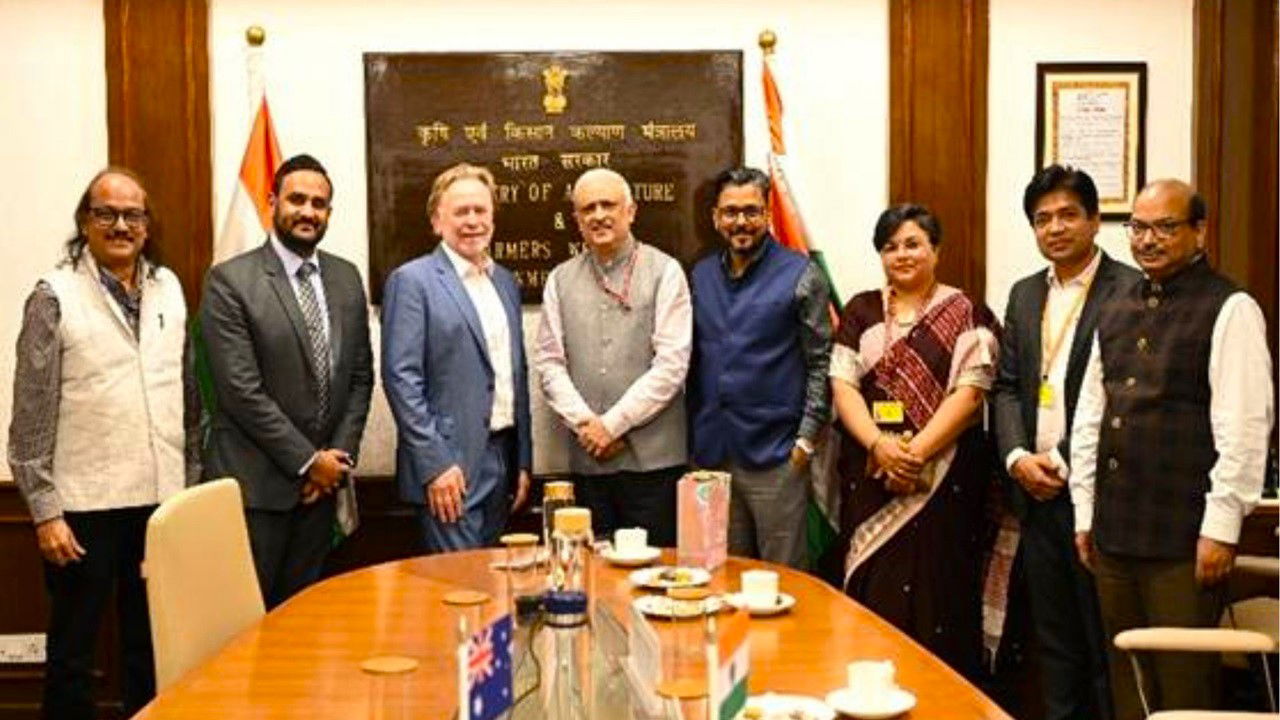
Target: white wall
(53,138)
(1158,32)
(832,68)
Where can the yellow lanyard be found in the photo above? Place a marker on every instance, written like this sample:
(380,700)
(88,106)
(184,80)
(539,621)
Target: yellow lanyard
(1049,352)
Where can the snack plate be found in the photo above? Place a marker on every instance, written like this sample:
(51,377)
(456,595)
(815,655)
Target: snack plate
(663,606)
(662,577)
(774,706)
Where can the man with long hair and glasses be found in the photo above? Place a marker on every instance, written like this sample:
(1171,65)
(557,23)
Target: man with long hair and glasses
(105,427)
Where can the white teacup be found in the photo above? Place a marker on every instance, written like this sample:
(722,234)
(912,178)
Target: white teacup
(870,681)
(629,542)
(760,588)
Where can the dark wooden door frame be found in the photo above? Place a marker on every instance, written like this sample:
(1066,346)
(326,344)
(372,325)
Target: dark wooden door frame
(938,55)
(157,64)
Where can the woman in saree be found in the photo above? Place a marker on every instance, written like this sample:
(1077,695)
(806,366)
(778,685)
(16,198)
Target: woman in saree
(910,370)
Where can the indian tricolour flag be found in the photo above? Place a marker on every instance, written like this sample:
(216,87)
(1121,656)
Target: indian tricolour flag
(789,229)
(249,214)
(730,668)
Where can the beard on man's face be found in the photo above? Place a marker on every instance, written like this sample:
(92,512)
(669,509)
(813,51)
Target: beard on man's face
(285,232)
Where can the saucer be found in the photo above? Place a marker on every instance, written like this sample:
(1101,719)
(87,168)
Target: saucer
(892,704)
(783,603)
(662,606)
(644,557)
(666,576)
(774,705)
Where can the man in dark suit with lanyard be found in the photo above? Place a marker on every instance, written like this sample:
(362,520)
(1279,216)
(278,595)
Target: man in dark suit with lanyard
(1049,320)
(287,331)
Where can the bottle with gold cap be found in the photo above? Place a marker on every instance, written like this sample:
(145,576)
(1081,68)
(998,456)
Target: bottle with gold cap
(555,495)
(571,541)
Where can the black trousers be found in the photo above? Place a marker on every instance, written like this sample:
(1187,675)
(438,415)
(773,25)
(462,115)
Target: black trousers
(78,595)
(289,547)
(632,499)
(1064,612)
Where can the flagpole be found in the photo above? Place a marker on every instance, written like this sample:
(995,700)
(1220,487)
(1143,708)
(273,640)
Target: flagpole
(254,37)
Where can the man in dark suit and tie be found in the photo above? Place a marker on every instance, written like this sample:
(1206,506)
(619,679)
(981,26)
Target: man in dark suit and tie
(1049,321)
(453,365)
(287,332)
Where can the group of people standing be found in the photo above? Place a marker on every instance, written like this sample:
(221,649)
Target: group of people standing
(1129,414)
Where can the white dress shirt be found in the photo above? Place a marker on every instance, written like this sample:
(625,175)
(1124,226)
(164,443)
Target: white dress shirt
(672,341)
(1063,305)
(292,261)
(497,333)
(1240,415)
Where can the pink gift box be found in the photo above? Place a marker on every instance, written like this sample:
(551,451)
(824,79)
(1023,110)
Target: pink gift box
(702,502)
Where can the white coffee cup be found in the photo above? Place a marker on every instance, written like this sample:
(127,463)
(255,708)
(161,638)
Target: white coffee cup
(628,542)
(870,681)
(760,588)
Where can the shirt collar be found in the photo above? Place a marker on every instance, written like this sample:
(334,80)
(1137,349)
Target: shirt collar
(290,259)
(618,260)
(1082,278)
(465,267)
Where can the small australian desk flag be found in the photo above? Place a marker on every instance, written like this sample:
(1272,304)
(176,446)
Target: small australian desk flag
(488,671)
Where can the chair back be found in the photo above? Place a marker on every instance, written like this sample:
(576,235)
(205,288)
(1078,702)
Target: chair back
(202,588)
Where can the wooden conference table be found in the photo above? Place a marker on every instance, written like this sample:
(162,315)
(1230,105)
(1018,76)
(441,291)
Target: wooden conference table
(303,659)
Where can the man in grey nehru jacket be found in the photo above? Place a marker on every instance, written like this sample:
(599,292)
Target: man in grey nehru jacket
(612,353)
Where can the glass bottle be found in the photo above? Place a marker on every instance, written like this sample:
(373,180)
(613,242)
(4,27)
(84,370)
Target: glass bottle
(566,616)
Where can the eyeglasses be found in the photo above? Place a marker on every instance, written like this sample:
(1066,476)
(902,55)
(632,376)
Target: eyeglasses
(1163,229)
(750,214)
(105,217)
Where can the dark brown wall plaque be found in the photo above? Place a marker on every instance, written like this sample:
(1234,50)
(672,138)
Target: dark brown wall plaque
(667,121)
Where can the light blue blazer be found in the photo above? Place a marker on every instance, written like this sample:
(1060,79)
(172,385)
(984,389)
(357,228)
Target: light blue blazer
(437,375)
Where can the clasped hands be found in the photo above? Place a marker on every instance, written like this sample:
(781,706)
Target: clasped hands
(596,440)
(900,466)
(325,473)
(1039,475)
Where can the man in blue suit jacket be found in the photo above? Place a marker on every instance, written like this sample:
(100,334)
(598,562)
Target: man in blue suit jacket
(453,367)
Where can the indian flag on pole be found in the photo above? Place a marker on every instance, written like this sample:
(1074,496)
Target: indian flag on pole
(732,664)
(249,214)
(788,228)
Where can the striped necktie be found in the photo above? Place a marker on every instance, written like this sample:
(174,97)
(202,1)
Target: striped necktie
(310,305)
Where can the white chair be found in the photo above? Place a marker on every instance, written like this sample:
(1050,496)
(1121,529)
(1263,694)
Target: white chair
(1179,639)
(201,584)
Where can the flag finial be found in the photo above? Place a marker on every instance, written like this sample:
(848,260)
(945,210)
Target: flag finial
(255,35)
(767,41)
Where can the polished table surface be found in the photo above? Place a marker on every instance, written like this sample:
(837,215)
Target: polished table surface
(303,659)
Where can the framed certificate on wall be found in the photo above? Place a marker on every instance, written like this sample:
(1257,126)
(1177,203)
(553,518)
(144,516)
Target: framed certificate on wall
(1093,116)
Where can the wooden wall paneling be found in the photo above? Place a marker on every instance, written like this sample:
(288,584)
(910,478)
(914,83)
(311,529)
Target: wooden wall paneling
(938,125)
(1235,124)
(157,62)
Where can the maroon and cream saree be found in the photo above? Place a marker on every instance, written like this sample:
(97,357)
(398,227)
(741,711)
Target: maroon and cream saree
(917,560)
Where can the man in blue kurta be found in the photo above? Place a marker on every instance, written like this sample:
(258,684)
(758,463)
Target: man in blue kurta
(758,391)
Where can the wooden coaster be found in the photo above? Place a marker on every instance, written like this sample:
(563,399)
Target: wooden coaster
(465,598)
(389,665)
(519,539)
(683,688)
(689,593)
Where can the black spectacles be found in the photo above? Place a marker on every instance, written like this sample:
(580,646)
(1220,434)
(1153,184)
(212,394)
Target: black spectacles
(105,217)
(750,214)
(1163,229)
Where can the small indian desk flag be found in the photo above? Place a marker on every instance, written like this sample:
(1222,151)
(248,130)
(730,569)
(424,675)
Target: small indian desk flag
(484,672)
(730,666)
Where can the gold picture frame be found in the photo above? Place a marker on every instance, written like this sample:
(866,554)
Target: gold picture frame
(1093,116)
